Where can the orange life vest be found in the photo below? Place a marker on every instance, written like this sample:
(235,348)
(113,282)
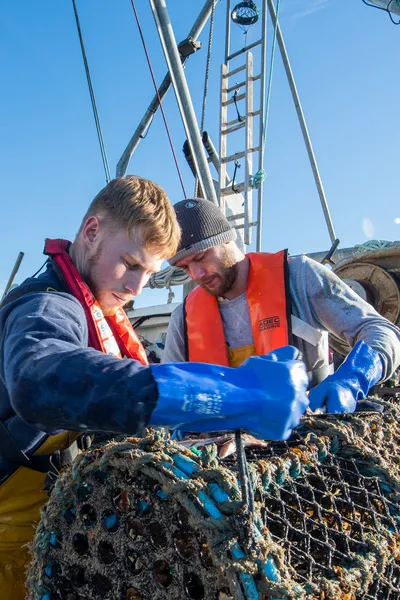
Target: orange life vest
(268,299)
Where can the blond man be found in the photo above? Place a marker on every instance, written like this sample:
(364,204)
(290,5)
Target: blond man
(63,335)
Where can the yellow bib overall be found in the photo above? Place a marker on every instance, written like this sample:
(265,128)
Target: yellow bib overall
(21,499)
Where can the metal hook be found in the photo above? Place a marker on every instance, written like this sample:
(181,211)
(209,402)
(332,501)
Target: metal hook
(328,257)
(237,166)
(235,94)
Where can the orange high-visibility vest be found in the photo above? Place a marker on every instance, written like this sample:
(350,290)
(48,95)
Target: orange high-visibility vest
(268,299)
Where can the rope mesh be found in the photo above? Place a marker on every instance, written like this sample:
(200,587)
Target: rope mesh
(148,518)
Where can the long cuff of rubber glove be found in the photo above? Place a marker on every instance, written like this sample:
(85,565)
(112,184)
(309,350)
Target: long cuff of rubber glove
(363,367)
(199,397)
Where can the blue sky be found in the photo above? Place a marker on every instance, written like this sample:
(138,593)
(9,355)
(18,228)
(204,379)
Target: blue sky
(344,56)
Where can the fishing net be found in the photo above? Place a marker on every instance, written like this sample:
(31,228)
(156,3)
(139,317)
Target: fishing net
(151,519)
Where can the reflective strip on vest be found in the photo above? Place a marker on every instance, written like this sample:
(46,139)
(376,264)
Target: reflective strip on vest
(306,332)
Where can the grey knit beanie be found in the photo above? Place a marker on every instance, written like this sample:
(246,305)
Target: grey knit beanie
(203,226)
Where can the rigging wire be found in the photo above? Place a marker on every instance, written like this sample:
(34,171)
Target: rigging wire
(158,96)
(206,77)
(271,71)
(244,15)
(387,9)
(92,98)
(261,175)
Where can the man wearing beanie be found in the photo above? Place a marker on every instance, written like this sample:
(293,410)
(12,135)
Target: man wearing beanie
(246,305)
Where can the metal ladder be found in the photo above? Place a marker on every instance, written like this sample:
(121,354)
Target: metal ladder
(233,95)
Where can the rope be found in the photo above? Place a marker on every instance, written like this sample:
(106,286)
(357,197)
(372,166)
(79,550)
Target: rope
(167,277)
(158,96)
(92,98)
(203,110)
(326,516)
(258,178)
(246,489)
(185,482)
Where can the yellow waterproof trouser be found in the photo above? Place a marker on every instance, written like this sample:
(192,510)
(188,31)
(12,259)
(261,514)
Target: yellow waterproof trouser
(238,355)
(21,499)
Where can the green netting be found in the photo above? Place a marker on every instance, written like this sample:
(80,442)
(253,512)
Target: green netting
(147,519)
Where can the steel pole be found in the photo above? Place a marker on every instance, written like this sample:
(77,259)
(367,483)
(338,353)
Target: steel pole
(194,33)
(202,19)
(227,31)
(302,121)
(13,274)
(183,98)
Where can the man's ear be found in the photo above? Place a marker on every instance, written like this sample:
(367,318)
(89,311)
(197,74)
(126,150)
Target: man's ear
(91,230)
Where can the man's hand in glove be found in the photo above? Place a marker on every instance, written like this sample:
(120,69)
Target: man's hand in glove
(265,397)
(340,391)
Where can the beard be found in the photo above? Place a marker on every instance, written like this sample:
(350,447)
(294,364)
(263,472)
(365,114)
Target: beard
(89,276)
(89,273)
(227,270)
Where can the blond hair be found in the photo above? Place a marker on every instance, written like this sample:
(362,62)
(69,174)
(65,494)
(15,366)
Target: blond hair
(133,202)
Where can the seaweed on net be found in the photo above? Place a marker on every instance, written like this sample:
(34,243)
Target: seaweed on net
(148,518)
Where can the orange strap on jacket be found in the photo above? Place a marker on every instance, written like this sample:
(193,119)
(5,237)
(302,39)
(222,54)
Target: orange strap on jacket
(268,299)
(113,334)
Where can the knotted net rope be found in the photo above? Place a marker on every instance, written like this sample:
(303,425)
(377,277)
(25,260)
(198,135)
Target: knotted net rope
(148,518)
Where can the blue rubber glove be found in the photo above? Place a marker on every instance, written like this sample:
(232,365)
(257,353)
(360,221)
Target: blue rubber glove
(283,353)
(266,398)
(340,391)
